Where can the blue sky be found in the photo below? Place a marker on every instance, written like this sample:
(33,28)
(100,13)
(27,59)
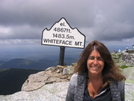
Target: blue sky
(22,23)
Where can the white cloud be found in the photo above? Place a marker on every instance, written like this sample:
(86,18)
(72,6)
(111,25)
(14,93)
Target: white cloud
(5,31)
(22,42)
(20,32)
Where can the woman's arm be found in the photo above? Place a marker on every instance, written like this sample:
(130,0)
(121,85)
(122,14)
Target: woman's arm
(121,87)
(70,93)
(71,88)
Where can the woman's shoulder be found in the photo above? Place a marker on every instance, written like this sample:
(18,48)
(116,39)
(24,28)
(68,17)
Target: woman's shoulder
(119,84)
(117,89)
(74,78)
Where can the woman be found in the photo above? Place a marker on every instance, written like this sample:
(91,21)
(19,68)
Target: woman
(96,77)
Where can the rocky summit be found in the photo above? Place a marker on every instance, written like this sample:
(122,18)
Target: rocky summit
(52,85)
(56,92)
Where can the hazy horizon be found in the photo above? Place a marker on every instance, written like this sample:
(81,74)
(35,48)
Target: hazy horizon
(42,52)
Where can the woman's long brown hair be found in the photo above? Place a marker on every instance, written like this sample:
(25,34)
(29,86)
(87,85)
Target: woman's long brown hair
(110,71)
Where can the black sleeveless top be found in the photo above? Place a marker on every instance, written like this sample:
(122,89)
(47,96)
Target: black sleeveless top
(105,95)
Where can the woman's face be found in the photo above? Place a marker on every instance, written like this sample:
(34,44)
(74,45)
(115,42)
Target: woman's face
(95,63)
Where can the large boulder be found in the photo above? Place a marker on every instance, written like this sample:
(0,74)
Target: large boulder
(50,75)
(68,70)
(50,92)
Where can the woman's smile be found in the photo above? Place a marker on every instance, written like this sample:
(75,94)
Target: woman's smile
(95,63)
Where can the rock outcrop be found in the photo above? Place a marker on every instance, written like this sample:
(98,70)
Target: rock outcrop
(50,92)
(50,75)
(54,88)
(124,58)
(128,57)
(57,92)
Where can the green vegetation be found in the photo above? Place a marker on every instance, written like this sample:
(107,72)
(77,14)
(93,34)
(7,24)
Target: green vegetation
(123,67)
(129,81)
(117,59)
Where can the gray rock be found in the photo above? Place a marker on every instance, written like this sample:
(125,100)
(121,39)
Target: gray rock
(50,92)
(128,57)
(52,69)
(35,81)
(68,70)
(129,90)
(129,84)
(50,75)
(129,73)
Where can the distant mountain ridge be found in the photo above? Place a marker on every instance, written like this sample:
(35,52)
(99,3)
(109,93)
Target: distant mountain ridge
(41,64)
(1,62)
(11,80)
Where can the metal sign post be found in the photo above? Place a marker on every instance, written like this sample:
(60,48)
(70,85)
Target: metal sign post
(61,58)
(63,35)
